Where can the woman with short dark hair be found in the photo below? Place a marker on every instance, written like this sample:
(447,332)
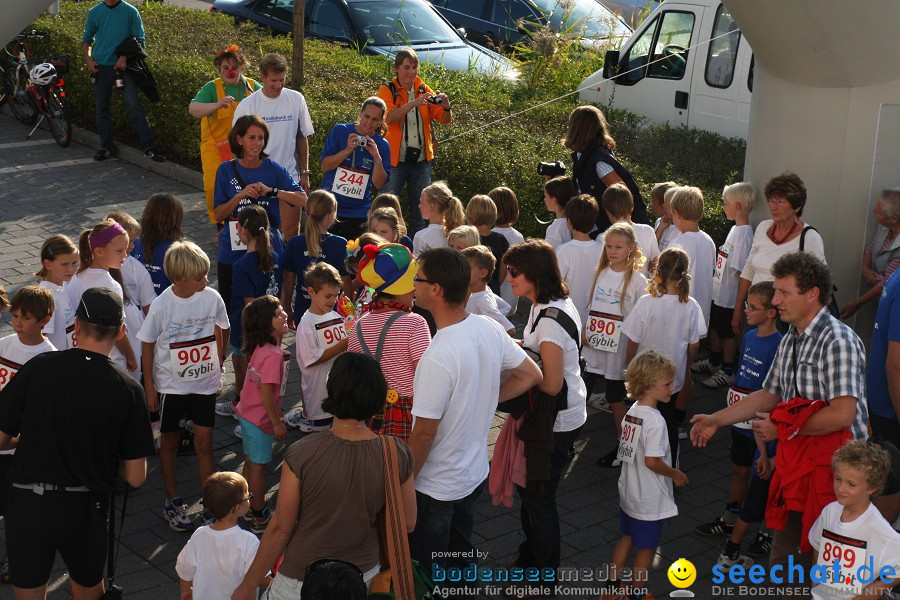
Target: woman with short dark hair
(533,273)
(332,487)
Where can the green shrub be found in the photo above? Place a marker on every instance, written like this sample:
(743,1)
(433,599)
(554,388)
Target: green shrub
(480,151)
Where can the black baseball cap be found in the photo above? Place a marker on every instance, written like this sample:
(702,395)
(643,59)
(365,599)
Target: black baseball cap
(101,306)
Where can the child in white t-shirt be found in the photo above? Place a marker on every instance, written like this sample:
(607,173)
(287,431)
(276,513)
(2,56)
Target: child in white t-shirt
(618,204)
(216,558)
(31,308)
(687,210)
(646,496)
(183,340)
(615,288)
(483,301)
(321,336)
(59,261)
(444,213)
(660,199)
(669,320)
(137,283)
(507,215)
(557,192)
(851,532)
(737,202)
(577,258)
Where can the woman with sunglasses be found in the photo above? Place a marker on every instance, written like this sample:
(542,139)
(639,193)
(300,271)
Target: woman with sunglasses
(533,273)
(214,105)
(332,488)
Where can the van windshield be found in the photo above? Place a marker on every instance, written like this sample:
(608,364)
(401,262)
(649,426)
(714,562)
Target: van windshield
(589,17)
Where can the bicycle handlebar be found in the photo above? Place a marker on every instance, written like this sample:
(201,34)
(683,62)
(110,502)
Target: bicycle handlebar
(34,33)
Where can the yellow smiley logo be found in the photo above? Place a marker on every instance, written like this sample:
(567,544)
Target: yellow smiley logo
(682,573)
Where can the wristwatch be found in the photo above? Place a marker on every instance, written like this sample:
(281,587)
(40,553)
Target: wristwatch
(274,192)
(305,172)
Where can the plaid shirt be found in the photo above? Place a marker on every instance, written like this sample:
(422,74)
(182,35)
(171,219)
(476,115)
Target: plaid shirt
(827,360)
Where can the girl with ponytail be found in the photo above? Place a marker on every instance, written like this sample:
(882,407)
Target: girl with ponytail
(444,213)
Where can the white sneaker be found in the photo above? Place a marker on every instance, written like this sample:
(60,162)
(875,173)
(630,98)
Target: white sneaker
(704,367)
(237,432)
(226,408)
(720,378)
(742,560)
(598,402)
(298,420)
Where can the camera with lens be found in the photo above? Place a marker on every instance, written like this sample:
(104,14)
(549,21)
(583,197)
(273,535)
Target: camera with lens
(361,141)
(554,169)
(436,99)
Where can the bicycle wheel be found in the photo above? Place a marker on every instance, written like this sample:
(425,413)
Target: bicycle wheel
(58,117)
(19,97)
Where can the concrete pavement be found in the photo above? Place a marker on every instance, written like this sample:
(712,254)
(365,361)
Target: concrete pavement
(45,189)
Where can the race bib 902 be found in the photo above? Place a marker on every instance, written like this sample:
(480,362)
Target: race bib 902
(194,360)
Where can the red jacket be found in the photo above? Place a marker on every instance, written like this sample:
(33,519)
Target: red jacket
(803,480)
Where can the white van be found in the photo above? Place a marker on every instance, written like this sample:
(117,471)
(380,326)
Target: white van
(671,70)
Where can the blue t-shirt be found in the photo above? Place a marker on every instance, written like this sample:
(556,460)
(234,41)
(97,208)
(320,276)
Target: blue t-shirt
(296,259)
(358,165)
(887,330)
(270,173)
(249,282)
(757,355)
(106,27)
(157,273)
(407,242)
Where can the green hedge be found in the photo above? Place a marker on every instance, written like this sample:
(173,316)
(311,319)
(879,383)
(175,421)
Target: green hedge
(487,152)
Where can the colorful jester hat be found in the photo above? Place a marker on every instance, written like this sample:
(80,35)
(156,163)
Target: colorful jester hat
(388,268)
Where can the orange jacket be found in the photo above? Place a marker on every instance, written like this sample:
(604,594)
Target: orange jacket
(427,113)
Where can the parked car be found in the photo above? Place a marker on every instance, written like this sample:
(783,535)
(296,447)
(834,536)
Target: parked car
(495,23)
(376,27)
(687,64)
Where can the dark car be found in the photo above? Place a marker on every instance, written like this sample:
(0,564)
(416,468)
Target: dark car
(496,23)
(376,27)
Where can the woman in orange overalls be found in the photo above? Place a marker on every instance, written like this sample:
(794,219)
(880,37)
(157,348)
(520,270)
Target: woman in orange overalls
(214,105)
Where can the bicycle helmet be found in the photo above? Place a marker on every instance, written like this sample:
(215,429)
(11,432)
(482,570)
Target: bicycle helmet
(42,74)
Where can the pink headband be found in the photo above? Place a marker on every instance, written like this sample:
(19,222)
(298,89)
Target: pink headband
(106,236)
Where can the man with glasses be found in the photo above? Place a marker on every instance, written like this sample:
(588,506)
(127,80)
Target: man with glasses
(457,388)
(820,358)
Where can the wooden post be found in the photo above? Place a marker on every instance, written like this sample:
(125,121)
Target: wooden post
(297,57)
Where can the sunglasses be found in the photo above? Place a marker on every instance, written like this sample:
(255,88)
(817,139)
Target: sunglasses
(512,272)
(417,279)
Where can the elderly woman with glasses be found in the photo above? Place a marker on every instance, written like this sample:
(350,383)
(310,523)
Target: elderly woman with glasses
(332,488)
(775,237)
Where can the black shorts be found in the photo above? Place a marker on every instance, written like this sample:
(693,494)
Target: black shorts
(199,408)
(39,526)
(5,461)
(754,507)
(742,449)
(720,321)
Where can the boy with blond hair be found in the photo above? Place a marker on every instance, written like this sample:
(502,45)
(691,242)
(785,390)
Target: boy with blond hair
(646,497)
(737,202)
(183,351)
(578,258)
(483,301)
(481,213)
(687,210)
(618,204)
(850,532)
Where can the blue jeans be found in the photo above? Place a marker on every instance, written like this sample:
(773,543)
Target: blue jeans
(417,176)
(539,513)
(103,86)
(443,526)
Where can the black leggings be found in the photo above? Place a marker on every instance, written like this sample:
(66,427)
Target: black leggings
(674,417)
(615,389)
(224,273)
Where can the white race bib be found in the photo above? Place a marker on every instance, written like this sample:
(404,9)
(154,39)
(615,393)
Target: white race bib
(329,333)
(631,436)
(850,553)
(735,395)
(8,370)
(70,333)
(284,373)
(194,360)
(603,331)
(721,260)
(349,183)
(236,243)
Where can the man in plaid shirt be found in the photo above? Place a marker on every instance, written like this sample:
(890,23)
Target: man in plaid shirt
(820,358)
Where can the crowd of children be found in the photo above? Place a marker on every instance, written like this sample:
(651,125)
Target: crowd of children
(646,296)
